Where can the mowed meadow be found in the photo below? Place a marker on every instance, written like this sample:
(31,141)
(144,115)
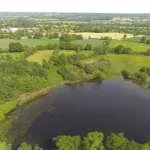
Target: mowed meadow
(4,43)
(135,46)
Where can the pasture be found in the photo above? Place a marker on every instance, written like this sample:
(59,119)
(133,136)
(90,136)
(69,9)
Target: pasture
(131,63)
(4,43)
(135,46)
(117,36)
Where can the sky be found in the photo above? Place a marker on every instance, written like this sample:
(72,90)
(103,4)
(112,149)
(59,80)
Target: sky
(99,6)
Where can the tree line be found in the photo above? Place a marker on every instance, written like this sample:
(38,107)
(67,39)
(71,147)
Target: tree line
(139,77)
(92,141)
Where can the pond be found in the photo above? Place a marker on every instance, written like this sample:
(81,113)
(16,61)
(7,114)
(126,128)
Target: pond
(110,106)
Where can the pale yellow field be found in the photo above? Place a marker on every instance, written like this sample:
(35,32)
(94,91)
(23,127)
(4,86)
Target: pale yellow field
(99,35)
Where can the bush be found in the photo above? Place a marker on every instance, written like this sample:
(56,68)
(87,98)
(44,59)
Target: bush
(148,52)
(101,50)
(25,146)
(116,142)
(148,42)
(68,142)
(126,74)
(16,47)
(93,141)
(88,47)
(89,68)
(139,78)
(145,70)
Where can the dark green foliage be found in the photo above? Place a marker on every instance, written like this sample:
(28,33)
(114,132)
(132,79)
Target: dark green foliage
(20,76)
(145,70)
(148,52)
(46,64)
(89,68)
(137,77)
(126,74)
(71,73)
(107,39)
(80,64)
(25,146)
(98,75)
(116,142)
(143,39)
(101,50)
(125,36)
(120,49)
(72,59)
(148,42)
(88,47)
(68,142)
(16,47)
(61,60)
(132,145)
(127,50)
(70,37)
(55,35)
(50,46)
(84,72)
(70,46)
(93,141)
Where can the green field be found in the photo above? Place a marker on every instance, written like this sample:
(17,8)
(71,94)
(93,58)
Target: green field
(29,42)
(131,63)
(135,46)
(14,55)
(46,54)
(94,42)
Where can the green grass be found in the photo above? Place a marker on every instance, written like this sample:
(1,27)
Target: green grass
(131,63)
(14,55)
(94,42)
(4,43)
(46,54)
(135,46)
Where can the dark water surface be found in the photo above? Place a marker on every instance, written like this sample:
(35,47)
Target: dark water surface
(110,106)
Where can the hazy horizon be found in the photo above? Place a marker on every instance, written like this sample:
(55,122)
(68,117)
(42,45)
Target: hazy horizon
(78,6)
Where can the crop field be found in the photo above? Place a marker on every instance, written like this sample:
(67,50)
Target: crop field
(135,46)
(4,43)
(118,36)
(131,63)
(93,42)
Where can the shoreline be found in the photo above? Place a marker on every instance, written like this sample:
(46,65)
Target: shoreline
(29,97)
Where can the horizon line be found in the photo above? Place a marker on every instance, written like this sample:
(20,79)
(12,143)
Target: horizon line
(75,12)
